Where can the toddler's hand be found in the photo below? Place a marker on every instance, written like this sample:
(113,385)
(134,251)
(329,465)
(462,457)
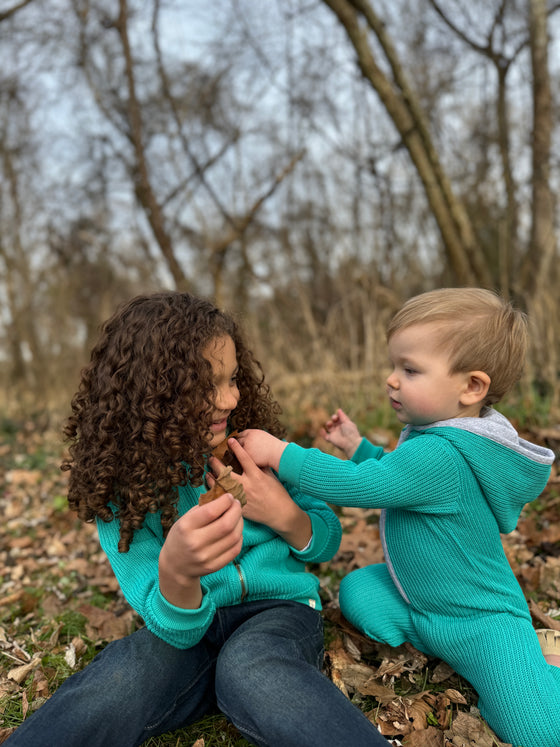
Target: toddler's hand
(342,432)
(265,450)
(267,501)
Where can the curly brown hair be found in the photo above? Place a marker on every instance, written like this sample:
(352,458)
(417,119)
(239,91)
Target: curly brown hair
(140,422)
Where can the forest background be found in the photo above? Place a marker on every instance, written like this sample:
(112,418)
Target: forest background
(308,164)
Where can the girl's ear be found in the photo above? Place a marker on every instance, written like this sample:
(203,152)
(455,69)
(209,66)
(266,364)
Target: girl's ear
(476,389)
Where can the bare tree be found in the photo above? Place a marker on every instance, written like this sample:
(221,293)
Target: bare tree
(4,14)
(129,111)
(403,107)
(464,248)
(537,266)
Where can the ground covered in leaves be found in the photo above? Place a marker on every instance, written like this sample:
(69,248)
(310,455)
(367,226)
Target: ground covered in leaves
(60,604)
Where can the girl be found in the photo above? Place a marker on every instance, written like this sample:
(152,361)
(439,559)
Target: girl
(231,617)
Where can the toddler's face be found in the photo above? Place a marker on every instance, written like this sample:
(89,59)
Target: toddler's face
(420,388)
(221,355)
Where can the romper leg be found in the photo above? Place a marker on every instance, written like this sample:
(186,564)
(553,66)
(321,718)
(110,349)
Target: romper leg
(370,601)
(499,654)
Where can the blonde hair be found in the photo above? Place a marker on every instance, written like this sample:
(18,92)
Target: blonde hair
(479,329)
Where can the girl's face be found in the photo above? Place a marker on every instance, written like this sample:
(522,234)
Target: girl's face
(222,356)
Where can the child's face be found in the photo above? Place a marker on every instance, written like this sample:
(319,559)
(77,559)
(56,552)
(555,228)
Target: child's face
(420,388)
(221,354)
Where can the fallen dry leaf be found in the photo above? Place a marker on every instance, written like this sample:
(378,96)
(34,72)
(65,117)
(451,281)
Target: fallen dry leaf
(24,476)
(104,625)
(442,672)
(430,737)
(19,674)
(468,730)
(542,620)
(40,686)
(226,455)
(224,484)
(4,734)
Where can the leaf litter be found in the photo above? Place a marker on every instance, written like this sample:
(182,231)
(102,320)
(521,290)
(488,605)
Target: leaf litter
(61,604)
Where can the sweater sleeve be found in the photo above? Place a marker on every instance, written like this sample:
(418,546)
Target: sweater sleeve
(367,450)
(137,574)
(422,474)
(325,526)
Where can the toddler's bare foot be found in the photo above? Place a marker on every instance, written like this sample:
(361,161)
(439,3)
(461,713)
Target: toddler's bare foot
(550,645)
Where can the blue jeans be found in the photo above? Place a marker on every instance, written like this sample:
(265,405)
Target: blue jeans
(259,663)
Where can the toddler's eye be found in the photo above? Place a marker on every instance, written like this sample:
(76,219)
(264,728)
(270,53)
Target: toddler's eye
(410,371)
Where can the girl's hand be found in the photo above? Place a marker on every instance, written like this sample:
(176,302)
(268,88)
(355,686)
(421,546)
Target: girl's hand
(342,432)
(201,541)
(268,502)
(265,450)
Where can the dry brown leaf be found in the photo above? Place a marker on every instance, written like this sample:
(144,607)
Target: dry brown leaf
(417,708)
(24,704)
(224,484)
(430,737)
(404,658)
(40,687)
(4,734)
(344,670)
(7,687)
(442,672)
(104,625)
(392,720)
(20,674)
(455,696)
(226,456)
(542,620)
(361,545)
(79,645)
(468,730)
(378,691)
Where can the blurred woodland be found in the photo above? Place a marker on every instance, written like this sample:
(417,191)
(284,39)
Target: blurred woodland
(308,164)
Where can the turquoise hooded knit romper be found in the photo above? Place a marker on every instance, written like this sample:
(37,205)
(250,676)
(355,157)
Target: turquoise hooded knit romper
(447,492)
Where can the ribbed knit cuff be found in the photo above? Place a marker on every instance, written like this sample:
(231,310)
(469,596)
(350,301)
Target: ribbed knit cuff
(177,626)
(367,450)
(291,464)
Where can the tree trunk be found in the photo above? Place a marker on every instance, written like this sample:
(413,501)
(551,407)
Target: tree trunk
(465,256)
(538,260)
(142,184)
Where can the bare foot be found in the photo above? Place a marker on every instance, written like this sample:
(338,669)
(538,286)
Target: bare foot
(549,641)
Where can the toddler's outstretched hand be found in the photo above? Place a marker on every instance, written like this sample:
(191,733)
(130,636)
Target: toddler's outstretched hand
(265,450)
(267,500)
(342,432)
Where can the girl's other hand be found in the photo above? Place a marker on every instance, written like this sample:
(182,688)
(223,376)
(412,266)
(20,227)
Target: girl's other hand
(201,541)
(265,450)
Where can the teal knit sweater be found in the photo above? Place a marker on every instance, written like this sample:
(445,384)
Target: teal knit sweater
(266,568)
(447,492)
(449,487)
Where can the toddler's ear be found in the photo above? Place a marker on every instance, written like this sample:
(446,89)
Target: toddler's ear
(477,386)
